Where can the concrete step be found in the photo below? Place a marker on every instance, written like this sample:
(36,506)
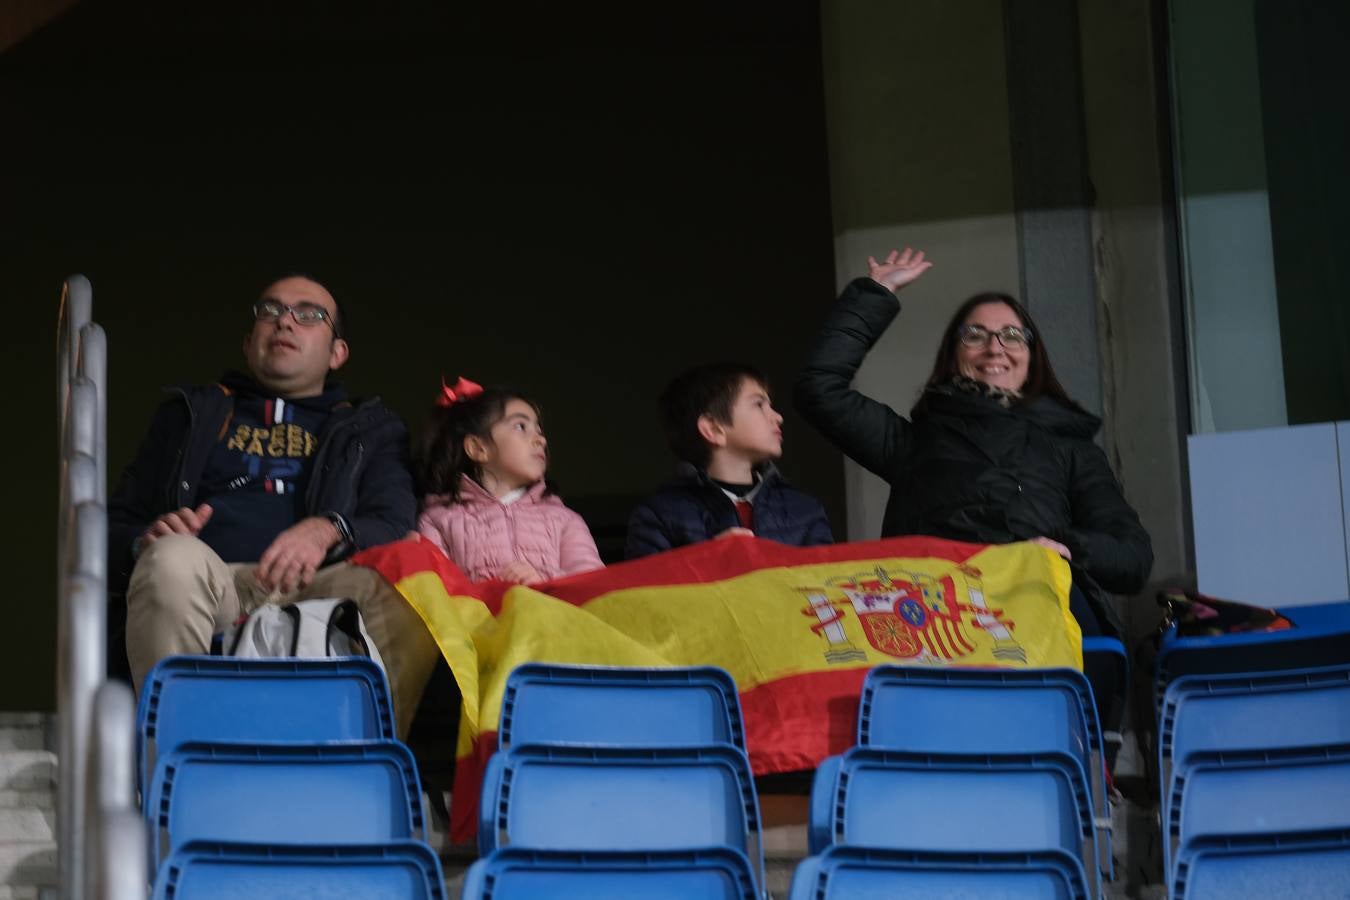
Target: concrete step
(24,731)
(27,770)
(26,826)
(28,865)
(41,799)
(24,892)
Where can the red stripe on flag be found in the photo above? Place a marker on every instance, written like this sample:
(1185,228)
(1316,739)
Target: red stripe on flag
(959,636)
(933,634)
(730,557)
(695,564)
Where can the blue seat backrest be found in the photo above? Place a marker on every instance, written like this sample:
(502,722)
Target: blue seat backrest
(559,797)
(204,698)
(1320,637)
(844,873)
(960,802)
(978,711)
(988,711)
(708,873)
(283,793)
(209,870)
(1252,711)
(1255,793)
(545,703)
(1315,864)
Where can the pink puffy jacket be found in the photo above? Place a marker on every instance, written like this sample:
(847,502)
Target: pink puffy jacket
(481,535)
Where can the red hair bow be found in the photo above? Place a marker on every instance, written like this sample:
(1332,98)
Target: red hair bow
(462,389)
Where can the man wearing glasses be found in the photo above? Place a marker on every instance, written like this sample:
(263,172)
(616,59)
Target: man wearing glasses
(253,490)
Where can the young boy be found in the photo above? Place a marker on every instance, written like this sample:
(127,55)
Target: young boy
(721,424)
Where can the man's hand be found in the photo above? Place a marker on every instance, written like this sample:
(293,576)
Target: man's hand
(520,572)
(290,563)
(180,521)
(733,532)
(1053,545)
(898,269)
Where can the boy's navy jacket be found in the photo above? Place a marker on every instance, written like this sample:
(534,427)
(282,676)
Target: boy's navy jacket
(691,508)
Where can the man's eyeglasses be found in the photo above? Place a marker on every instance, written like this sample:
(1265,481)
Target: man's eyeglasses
(1010,336)
(308,314)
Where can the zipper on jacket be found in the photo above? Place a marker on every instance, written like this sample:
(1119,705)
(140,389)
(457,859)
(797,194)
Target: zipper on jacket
(355,471)
(176,496)
(325,446)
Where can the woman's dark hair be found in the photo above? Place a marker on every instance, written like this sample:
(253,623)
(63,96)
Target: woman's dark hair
(1041,380)
(441,459)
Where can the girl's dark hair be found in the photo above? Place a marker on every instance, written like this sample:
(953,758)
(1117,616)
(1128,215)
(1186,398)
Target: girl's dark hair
(1041,380)
(441,459)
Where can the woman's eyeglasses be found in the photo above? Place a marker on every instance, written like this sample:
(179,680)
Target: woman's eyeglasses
(1010,336)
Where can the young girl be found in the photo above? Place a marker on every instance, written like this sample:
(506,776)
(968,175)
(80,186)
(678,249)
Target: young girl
(488,506)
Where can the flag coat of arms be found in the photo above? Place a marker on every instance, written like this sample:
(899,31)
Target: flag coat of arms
(797,628)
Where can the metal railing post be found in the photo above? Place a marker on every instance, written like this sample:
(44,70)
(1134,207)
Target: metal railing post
(101,838)
(92,368)
(111,786)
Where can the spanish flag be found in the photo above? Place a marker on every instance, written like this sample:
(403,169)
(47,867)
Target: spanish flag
(797,628)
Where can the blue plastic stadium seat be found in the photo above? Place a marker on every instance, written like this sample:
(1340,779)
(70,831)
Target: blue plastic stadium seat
(923,709)
(351,793)
(1108,654)
(560,797)
(1252,711)
(1256,793)
(556,704)
(206,698)
(856,873)
(513,873)
(958,802)
(1306,865)
(209,870)
(1320,637)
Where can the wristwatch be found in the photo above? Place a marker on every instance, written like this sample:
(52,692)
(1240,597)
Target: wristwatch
(345,539)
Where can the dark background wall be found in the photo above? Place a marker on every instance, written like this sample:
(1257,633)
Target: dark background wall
(574,201)
(1301,57)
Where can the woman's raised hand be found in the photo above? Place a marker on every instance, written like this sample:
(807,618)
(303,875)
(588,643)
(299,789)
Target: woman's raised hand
(897,269)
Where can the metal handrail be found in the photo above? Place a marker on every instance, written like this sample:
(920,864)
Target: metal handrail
(77,304)
(92,364)
(98,829)
(81,646)
(115,853)
(121,854)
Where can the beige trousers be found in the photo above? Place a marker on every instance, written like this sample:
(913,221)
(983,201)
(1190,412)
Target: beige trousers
(181,593)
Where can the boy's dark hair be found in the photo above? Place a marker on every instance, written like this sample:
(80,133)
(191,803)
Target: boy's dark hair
(707,390)
(441,459)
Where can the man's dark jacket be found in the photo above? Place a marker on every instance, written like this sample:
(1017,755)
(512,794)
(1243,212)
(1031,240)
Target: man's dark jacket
(969,469)
(692,508)
(359,470)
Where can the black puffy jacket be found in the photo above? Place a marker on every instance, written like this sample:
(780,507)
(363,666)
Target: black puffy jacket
(969,469)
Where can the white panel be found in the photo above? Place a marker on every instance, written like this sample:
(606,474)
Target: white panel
(1269,524)
(1343,450)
